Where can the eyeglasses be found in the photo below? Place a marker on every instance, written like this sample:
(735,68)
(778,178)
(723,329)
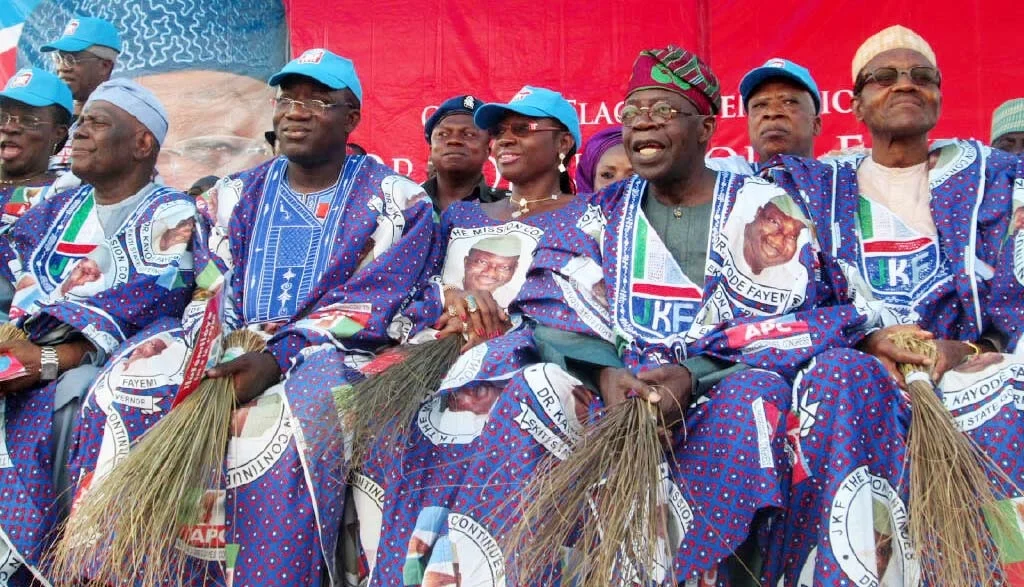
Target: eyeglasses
(314,107)
(659,113)
(520,129)
(71,60)
(215,151)
(920,75)
(23,121)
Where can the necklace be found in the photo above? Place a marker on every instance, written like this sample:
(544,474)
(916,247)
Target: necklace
(524,204)
(24,180)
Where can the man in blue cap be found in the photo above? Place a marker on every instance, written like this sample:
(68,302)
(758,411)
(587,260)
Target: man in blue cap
(85,55)
(313,232)
(458,152)
(783,113)
(88,276)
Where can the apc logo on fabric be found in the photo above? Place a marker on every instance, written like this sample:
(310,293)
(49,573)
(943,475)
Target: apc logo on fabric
(312,56)
(71,27)
(521,95)
(21,79)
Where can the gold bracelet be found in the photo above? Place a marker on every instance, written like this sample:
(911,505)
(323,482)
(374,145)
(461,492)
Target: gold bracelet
(976,350)
(449,287)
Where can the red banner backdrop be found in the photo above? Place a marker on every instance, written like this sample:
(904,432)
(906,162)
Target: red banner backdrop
(413,55)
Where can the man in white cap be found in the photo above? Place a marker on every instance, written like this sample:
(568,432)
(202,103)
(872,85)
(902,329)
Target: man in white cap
(926,229)
(1008,126)
(107,226)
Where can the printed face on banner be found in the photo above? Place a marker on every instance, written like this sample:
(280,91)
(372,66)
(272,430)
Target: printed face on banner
(154,362)
(494,259)
(1016,224)
(760,249)
(458,417)
(90,275)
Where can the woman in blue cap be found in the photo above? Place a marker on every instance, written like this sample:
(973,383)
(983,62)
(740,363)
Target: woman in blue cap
(35,111)
(489,250)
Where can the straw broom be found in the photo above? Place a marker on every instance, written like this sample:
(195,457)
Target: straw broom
(396,384)
(9,333)
(124,528)
(605,498)
(950,488)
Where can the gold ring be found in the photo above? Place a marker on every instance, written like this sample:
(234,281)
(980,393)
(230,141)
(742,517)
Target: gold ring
(452,311)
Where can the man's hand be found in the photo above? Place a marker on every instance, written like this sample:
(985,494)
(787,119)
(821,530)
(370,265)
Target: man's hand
(29,355)
(879,345)
(951,353)
(672,385)
(252,373)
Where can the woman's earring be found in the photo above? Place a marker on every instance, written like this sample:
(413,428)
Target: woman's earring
(561,162)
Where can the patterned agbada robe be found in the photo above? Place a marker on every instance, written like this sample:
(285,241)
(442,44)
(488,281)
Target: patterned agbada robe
(848,507)
(608,276)
(71,280)
(320,276)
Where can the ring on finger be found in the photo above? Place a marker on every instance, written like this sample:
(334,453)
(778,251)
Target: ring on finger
(452,311)
(471,304)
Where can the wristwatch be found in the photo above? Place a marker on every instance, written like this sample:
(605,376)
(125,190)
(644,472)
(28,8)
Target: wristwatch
(49,365)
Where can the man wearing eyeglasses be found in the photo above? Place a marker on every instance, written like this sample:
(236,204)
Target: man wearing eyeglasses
(313,228)
(84,57)
(458,153)
(928,231)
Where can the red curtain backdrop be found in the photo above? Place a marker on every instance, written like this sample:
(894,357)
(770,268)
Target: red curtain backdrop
(413,55)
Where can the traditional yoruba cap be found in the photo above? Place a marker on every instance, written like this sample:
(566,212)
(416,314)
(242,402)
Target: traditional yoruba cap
(506,246)
(244,37)
(135,100)
(593,149)
(1009,117)
(677,70)
(457,105)
(39,88)
(894,37)
(787,206)
(331,70)
(776,68)
(83,32)
(536,103)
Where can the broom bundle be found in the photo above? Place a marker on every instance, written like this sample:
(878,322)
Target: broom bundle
(950,490)
(125,527)
(606,499)
(9,333)
(396,383)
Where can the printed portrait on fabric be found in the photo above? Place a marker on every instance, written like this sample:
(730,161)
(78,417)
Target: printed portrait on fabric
(171,233)
(155,362)
(88,276)
(494,259)
(458,416)
(448,549)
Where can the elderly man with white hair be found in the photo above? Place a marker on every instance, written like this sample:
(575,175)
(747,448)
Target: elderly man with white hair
(103,230)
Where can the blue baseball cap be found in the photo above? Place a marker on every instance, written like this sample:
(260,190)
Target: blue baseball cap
(83,32)
(39,88)
(458,105)
(780,68)
(331,70)
(534,102)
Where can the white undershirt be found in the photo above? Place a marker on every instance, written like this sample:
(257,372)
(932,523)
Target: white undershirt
(903,190)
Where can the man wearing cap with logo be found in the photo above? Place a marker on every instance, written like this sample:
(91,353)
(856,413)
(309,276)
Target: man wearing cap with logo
(458,152)
(1008,126)
(84,56)
(783,108)
(108,225)
(311,231)
(927,231)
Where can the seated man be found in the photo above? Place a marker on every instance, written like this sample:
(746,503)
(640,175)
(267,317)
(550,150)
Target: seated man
(318,250)
(87,277)
(783,114)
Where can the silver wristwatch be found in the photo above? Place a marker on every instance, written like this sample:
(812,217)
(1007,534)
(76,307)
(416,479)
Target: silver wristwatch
(49,365)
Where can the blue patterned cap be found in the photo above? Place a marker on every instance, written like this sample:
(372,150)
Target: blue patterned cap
(246,37)
(534,102)
(333,71)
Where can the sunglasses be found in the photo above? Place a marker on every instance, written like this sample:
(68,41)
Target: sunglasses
(520,129)
(888,76)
